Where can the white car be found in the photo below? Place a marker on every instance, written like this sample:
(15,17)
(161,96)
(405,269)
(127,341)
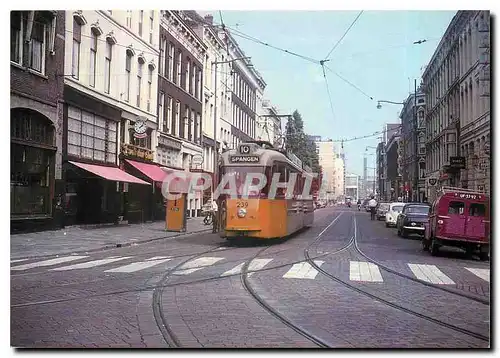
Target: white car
(391,217)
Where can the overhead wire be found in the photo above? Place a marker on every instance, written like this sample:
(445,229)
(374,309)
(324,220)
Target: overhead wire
(348,82)
(367,135)
(345,33)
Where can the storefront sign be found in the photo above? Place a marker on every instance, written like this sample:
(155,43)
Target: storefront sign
(457,162)
(169,143)
(133,151)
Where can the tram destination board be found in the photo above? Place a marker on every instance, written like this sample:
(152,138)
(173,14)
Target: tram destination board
(244,159)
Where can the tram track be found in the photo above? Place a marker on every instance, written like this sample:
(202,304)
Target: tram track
(353,243)
(408,277)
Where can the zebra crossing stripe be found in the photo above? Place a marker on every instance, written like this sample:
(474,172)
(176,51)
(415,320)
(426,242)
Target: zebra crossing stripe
(197,264)
(303,270)
(255,265)
(158,258)
(50,262)
(19,260)
(364,271)
(137,266)
(430,273)
(235,270)
(90,264)
(481,273)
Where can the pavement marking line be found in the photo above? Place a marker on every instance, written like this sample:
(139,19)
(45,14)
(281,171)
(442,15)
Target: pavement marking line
(158,258)
(195,265)
(90,264)
(364,271)
(257,264)
(430,273)
(20,260)
(234,271)
(481,273)
(303,270)
(137,266)
(50,262)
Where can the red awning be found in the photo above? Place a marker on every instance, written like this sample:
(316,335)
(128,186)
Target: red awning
(110,173)
(152,171)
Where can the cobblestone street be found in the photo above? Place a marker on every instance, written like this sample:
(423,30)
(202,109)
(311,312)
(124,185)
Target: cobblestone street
(194,291)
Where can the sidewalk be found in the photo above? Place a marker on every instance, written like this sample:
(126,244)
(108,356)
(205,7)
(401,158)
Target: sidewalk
(77,239)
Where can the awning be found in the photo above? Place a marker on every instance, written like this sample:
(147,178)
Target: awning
(110,173)
(153,172)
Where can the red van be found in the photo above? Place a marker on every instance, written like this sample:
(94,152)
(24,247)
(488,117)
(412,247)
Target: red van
(461,218)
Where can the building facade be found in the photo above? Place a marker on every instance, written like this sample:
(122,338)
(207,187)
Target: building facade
(328,155)
(36,119)
(247,93)
(181,96)
(110,87)
(352,186)
(413,143)
(458,106)
(269,125)
(394,183)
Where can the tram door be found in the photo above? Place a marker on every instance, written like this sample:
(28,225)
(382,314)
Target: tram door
(176,214)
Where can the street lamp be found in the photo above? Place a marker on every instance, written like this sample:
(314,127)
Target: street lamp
(390,102)
(215,114)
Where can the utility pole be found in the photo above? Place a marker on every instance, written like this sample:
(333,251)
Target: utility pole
(415,139)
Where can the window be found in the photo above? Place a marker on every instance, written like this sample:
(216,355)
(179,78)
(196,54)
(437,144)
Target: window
(178,68)
(168,120)
(128,65)
(37,47)
(151,26)
(176,122)
(141,19)
(107,67)
(456,208)
(77,39)
(170,62)
(477,210)
(161,69)
(187,79)
(184,124)
(161,112)
(191,125)
(91,136)
(193,84)
(129,18)
(139,85)
(93,59)
(198,128)
(198,84)
(150,87)
(16,37)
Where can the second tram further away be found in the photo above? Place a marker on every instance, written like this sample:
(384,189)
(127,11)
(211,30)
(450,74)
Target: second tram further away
(259,215)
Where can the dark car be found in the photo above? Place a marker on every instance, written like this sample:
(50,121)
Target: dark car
(413,219)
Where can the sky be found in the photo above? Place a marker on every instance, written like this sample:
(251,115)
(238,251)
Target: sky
(377,55)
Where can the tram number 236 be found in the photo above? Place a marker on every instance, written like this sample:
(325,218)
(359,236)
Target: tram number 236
(242,204)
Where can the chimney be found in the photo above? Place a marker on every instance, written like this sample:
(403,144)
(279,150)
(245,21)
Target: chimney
(209,19)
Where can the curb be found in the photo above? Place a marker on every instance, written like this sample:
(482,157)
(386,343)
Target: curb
(115,246)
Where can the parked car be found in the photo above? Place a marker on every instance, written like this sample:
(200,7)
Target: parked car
(365,205)
(382,209)
(392,214)
(413,219)
(461,218)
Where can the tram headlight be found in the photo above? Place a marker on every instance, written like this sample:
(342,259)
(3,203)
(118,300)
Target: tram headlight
(242,212)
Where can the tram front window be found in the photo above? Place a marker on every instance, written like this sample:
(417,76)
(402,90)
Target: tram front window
(240,176)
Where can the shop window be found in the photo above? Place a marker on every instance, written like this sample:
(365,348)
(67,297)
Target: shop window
(30,175)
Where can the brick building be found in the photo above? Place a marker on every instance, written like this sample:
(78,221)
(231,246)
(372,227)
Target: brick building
(36,88)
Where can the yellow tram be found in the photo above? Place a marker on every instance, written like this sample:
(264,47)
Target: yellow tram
(261,214)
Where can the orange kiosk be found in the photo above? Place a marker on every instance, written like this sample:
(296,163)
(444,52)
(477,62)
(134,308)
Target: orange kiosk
(176,211)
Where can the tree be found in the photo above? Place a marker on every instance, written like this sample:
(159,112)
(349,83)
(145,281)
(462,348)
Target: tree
(299,143)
